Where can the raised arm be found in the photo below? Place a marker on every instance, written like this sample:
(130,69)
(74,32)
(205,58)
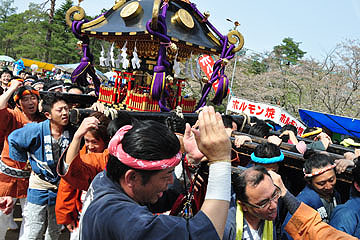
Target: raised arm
(214,143)
(325,139)
(291,135)
(4,98)
(74,147)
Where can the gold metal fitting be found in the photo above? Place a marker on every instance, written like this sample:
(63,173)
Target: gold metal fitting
(184,19)
(131,10)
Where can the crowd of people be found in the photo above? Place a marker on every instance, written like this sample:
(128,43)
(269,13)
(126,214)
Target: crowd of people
(124,178)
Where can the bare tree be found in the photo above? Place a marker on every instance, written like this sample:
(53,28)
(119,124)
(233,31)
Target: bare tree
(330,85)
(51,12)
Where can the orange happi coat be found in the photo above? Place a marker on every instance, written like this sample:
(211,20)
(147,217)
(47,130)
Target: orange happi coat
(11,120)
(77,179)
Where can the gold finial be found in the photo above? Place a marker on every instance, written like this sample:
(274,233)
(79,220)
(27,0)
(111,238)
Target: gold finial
(235,37)
(76,12)
(206,16)
(236,23)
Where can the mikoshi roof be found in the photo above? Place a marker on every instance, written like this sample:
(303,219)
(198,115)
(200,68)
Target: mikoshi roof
(337,124)
(126,21)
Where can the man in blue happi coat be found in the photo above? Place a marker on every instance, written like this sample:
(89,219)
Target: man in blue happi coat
(346,217)
(42,144)
(139,170)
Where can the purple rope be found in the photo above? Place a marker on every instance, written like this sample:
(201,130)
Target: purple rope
(158,91)
(162,102)
(193,5)
(224,48)
(218,74)
(86,63)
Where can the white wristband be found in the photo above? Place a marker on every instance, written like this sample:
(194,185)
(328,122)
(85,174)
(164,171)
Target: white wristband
(219,181)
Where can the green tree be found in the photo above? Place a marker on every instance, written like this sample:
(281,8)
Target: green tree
(254,64)
(6,9)
(26,34)
(288,52)
(22,34)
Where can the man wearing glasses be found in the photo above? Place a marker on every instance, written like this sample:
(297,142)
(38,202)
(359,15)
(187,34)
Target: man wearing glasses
(251,216)
(256,206)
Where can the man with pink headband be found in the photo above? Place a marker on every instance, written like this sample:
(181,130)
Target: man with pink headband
(140,168)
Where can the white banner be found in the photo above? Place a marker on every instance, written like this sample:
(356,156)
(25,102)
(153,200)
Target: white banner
(264,112)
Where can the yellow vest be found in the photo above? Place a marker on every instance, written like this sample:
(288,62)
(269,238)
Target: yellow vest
(268,226)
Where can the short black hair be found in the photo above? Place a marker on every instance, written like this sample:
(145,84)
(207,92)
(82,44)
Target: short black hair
(72,86)
(101,131)
(260,129)
(308,153)
(51,84)
(147,140)
(267,150)
(317,160)
(242,124)
(6,71)
(251,176)
(289,127)
(123,118)
(50,99)
(34,77)
(150,140)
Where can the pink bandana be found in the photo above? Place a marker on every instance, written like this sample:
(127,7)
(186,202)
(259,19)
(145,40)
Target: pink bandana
(320,171)
(115,149)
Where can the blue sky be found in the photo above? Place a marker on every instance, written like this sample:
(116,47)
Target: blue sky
(318,24)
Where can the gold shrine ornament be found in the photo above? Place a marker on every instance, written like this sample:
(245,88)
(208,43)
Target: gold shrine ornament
(183,18)
(76,12)
(131,10)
